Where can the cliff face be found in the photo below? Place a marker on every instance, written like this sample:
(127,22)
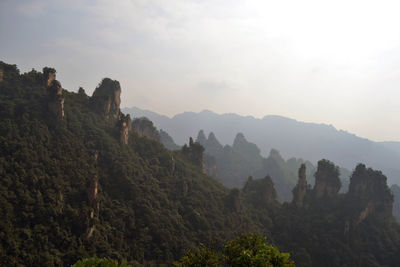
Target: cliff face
(56,100)
(300,191)
(368,188)
(144,127)
(327,182)
(106,99)
(260,192)
(125,125)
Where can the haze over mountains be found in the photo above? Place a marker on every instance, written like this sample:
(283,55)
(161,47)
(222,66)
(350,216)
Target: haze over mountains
(292,138)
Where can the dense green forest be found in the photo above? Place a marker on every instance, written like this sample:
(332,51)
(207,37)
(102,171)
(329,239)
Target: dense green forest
(80,179)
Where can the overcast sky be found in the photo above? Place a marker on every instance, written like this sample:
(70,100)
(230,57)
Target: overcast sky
(333,62)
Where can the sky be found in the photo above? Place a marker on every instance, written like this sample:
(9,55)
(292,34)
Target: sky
(333,62)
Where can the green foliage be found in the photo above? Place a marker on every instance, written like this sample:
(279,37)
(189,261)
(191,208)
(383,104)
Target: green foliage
(97,262)
(154,204)
(245,250)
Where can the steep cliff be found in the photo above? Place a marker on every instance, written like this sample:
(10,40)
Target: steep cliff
(260,192)
(144,127)
(301,189)
(106,99)
(55,101)
(369,190)
(327,182)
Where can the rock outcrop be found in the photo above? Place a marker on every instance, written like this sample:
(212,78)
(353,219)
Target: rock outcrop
(195,153)
(55,101)
(1,74)
(370,194)
(106,99)
(300,190)
(210,166)
(145,128)
(92,194)
(327,182)
(125,125)
(260,192)
(233,200)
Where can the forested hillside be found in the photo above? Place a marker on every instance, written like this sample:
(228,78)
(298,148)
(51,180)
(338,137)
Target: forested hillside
(78,178)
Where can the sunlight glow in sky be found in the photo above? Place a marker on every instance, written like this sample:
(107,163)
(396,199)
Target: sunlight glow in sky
(333,62)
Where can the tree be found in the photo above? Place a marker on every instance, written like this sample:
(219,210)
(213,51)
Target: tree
(245,250)
(98,262)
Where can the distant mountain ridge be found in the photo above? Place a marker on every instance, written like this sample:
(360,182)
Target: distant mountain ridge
(292,138)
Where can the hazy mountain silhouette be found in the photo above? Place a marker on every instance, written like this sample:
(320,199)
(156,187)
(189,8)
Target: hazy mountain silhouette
(292,138)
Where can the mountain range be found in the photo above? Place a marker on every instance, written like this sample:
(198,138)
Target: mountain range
(81,179)
(292,138)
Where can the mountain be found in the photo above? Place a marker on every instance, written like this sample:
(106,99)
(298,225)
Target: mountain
(234,164)
(292,138)
(79,179)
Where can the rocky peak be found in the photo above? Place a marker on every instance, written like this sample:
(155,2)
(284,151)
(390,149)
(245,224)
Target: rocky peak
(368,188)
(300,190)
(276,155)
(145,128)
(241,145)
(201,138)
(106,98)
(327,182)
(213,141)
(49,75)
(55,101)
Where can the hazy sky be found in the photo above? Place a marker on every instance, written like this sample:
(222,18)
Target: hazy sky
(334,62)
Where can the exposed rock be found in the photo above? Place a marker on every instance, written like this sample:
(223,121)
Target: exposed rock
(92,194)
(369,190)
(195,153)
(300,191)
(93,189)
(327,182)
(1,74)
(49,75)
(260,192)
(145,128)
(56,100)
(233,200)
(210,165)
(106,99)
(125,125)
